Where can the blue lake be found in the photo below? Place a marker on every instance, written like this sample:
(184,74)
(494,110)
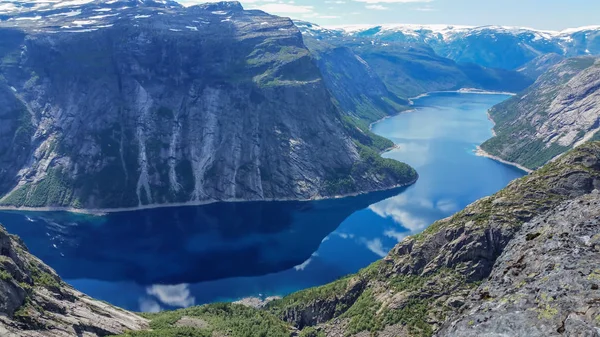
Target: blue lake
(177,257)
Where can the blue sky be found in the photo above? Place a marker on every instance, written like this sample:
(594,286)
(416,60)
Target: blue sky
(540,14)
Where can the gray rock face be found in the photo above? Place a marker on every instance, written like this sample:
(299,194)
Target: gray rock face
(546,281)
(34,302)
(153,103)
(539,65)
(560,111)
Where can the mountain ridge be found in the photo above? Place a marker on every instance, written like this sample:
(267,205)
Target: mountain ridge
(488,46)
(141,105)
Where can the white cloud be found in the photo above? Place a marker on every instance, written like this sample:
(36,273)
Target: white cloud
(447,206)
(424,9)
(393,208)
(175,296)
(376,247)
(305,264)
(344,235)
(376,7)
(395,235)
(148,305)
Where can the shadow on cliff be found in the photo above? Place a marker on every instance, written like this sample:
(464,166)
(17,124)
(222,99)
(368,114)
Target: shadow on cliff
(184,244)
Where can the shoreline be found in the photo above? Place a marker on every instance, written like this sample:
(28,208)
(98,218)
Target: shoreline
(489,117)
(482,153)
(106,211)
(390,116)
(464,91)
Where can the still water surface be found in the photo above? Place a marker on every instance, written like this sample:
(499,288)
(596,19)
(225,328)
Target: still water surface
(177,257)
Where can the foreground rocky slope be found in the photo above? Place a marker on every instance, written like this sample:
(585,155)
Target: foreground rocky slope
(113,104)
(522,262)
(558,112)
(35,302)
(548,273)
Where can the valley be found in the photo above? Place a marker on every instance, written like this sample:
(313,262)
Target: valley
(185,169)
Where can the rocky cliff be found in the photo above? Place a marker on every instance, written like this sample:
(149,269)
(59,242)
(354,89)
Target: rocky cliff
(559,111)
(35,302)
(112,104)
(547,274)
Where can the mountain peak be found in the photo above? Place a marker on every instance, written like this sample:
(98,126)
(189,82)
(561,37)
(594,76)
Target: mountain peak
(222,6)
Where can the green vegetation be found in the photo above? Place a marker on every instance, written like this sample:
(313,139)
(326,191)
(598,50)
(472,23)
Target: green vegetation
(371,164)
(303,298)
(378,165)
(5,275)
(42,278)
(231,320)
(56,189)
(531,154)
(363,314)
(359,131)
(311,332)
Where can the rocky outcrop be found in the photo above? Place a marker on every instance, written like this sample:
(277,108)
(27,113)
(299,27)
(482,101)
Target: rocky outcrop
(153,103)
(546,281)
(560,111)
(35,302)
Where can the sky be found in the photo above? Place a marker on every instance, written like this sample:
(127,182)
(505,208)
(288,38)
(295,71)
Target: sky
(538,14)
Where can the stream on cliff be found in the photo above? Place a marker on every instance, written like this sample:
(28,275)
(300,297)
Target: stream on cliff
(177,257)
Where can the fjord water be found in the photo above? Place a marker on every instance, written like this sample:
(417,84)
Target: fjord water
(168,258)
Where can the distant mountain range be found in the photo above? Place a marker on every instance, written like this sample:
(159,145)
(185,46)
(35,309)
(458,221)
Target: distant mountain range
(489,46)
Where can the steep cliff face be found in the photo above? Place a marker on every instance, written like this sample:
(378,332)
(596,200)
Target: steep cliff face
(152,103)
(35,302)
(558,112)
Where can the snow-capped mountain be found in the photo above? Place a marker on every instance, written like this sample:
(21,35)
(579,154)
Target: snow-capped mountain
(77,15)
(490,46)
